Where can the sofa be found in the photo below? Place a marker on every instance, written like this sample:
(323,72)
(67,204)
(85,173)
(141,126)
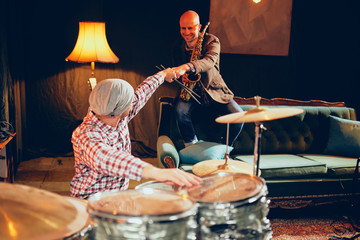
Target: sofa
(313,155)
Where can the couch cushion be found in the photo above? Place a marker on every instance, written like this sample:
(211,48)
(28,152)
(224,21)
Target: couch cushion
(344,137)
(285,165)
(201,151)
(337,166)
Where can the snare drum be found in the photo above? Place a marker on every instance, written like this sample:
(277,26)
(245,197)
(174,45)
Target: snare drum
(232,206)
(144,213)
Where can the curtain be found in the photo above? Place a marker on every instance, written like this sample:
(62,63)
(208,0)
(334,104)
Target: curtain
(10,91)
(62,102)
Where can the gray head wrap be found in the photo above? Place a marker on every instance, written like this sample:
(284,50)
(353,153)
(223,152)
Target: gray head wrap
(111,97)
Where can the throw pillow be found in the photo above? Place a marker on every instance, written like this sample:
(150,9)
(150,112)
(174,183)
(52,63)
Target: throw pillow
(344,137)
(201,151)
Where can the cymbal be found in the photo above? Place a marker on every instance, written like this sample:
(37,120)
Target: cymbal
(31,213)
(259,114)
(209,167)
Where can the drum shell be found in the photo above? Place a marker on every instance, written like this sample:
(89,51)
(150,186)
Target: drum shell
(243,219)
(175,226)
(84,234)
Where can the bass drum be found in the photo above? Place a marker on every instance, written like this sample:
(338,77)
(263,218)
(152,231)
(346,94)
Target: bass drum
(144,213)
(232,206)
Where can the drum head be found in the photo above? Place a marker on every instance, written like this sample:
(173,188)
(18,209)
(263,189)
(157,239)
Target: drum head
(227,187)
(144,201)
(155,185)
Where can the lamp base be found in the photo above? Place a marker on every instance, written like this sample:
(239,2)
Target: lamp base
(92,83)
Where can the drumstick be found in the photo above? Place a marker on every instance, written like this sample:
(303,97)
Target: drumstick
(188,90)
(180,83)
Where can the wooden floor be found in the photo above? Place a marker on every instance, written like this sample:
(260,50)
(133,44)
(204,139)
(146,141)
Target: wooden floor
(54,174)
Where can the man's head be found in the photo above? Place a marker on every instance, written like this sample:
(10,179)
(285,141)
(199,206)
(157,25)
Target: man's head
(190,27)
(111,97)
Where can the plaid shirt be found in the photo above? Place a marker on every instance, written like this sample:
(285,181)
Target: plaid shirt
(103,159)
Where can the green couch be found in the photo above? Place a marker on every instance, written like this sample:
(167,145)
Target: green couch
(313,154)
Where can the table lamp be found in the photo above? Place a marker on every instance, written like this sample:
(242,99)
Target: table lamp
(92,46)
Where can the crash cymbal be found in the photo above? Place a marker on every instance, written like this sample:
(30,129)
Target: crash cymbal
(31,213)
(209,167)
(259,114)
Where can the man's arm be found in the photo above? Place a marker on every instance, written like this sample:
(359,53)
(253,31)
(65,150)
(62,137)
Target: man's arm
(208,61)
(210,57)
(146,89)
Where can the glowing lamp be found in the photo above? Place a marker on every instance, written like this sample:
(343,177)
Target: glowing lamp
(92,46)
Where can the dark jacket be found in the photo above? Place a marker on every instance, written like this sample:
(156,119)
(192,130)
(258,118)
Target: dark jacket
(208,66)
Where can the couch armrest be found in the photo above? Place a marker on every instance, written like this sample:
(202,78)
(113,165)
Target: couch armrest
(167,153)
(167,99)
(167,116)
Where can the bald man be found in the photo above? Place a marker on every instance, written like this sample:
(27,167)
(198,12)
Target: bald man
(211,87)
(101,143)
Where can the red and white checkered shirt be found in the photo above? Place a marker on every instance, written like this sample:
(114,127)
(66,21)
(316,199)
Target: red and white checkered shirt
(103,159)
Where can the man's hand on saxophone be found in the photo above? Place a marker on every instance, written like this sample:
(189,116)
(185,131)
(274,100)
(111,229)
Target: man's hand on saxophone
(175,79)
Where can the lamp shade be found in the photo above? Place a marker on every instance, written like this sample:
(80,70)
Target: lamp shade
(92,45)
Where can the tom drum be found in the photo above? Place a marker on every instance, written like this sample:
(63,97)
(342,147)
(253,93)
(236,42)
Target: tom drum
(144,213)
(232,206)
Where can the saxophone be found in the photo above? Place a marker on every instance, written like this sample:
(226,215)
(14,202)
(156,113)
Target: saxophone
(190,81)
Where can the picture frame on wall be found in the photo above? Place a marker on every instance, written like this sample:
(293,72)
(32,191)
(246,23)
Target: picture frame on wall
(255,27)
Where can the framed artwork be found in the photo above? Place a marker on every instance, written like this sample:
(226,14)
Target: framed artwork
(258,27)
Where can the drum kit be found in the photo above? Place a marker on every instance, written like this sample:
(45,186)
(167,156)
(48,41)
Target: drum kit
(256,115)
(230,203)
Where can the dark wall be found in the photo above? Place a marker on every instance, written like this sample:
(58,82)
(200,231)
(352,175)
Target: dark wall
(322,63)
(323,57)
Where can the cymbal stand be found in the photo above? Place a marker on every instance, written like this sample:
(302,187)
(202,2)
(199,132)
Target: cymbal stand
(259,127)
(227,144)
(226,157)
